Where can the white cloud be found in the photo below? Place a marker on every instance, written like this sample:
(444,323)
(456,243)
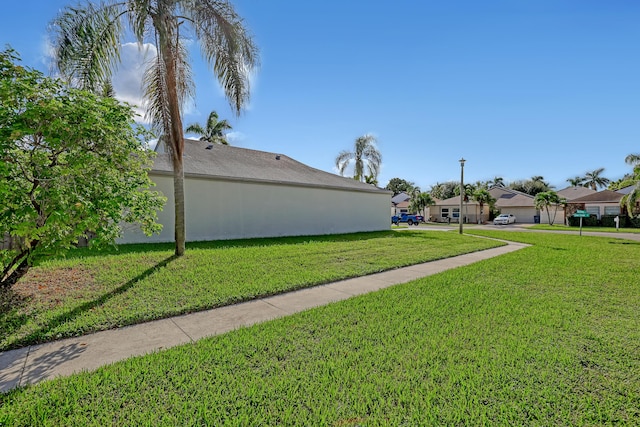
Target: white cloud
(127,80)
(236,138)
(48,52)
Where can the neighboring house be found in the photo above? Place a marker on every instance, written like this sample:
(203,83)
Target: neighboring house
(233,192)
(507,201)
(520,204)
(400,203)
(605,202)
(569,194)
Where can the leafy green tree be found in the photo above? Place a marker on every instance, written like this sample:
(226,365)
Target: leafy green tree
(594,179)
(531,186)
(72,162)
(420,202)
(445,190)
(365,154)
(213,132)
(483,197)
(87,44)
(399,185)
(547,199)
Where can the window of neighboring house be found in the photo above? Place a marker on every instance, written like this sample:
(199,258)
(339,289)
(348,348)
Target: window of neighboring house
(445,212)
(612,210)
(456,213)
(403,211)
(594,210)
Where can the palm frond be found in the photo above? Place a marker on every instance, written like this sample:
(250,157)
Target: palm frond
(342,161)
(139,18)
(226,45)
(87,43)
(155,94)
(195,128)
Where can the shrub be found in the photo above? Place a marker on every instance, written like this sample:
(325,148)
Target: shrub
(591,221)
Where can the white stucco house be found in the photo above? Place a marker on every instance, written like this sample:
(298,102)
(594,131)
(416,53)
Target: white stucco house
(233,193)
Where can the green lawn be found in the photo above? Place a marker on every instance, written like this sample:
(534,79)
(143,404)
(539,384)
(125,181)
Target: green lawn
(544,336)
(90,291)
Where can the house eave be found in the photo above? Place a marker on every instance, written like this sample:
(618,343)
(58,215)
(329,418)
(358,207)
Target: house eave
(374,190)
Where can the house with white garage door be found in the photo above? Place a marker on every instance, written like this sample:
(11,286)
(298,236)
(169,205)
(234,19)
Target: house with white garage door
(508,201)
(233,193)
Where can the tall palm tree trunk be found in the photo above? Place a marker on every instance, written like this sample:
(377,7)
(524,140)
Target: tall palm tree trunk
(176,142)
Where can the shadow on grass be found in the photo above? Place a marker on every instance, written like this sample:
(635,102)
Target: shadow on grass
(238,243)
(38,335)
(11,317)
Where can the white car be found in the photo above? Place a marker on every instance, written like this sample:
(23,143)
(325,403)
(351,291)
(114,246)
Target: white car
(504,219)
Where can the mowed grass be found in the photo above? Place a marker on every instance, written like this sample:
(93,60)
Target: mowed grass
(90,291)
(545,336)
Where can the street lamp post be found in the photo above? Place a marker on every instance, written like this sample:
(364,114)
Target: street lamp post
(462,160)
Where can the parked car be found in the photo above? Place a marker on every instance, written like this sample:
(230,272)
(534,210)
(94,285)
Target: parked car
(504,219)
(409,219)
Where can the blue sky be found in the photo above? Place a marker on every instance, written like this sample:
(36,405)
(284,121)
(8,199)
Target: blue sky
(517,88)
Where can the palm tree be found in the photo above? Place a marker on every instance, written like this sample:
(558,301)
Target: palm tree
(545,199)
(594,180)
(632,159)
(497,181)
(364,154)
(420,201)
(87,45)
(630,200)
(482,196)
(213,131)
(576,181)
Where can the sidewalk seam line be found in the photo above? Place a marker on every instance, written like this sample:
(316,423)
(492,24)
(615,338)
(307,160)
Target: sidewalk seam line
(24,366)
(182,330)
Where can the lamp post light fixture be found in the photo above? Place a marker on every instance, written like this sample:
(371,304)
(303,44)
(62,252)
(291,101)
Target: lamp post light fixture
(462,160)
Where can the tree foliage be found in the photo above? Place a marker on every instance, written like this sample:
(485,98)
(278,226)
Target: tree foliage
(631,200)
(72,162)
(420,202)
(548,199)
(445,190)
(365,155)
(531,186)
(594,179)
(483,197)
(213,131)
(399,185)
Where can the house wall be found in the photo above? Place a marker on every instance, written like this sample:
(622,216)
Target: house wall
(559,215)
(218,209)
(600,207)
(470,211)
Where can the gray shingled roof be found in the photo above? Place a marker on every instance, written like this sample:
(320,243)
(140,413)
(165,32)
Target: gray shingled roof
(399,198)
(241,164)
(601,196)
(572,193)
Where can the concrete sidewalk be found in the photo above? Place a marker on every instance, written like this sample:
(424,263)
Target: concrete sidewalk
(32,364)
